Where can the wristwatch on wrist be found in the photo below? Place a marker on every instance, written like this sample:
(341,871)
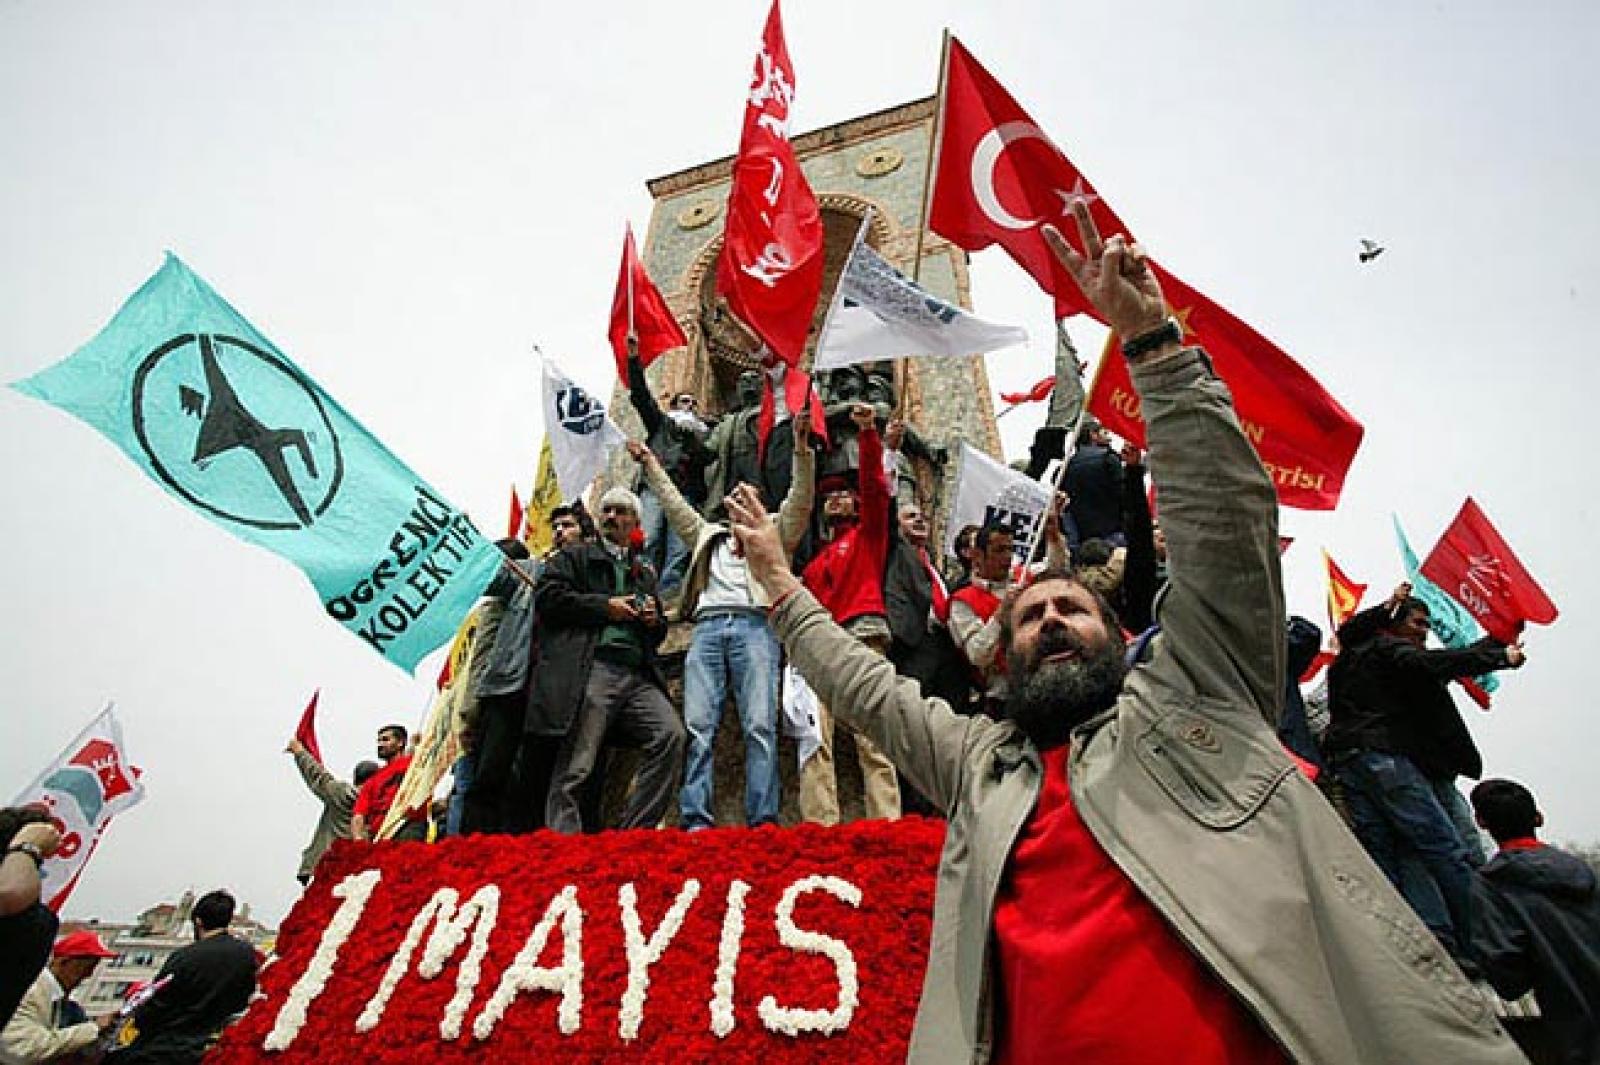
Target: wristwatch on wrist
(31,850)
(1168,332)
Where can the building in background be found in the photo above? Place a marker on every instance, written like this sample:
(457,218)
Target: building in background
(143,947)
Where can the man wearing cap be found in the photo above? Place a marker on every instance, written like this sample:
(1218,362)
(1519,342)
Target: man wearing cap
(846,576)
(601,621)
(35,1032)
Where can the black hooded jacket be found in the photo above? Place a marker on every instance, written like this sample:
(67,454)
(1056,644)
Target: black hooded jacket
(1538,929)
(1386,694)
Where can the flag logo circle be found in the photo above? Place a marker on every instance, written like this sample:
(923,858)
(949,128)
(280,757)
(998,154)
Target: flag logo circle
(237,431)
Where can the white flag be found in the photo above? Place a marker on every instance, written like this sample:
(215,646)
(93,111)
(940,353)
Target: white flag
(89,783)
(582,436)
(989,493)
(800,714)
(879,313)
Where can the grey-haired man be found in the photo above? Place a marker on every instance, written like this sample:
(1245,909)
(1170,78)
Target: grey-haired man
(601,621)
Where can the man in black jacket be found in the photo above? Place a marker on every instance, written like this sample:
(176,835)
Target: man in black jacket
(600,623)
(201,988)
(1094,487)
(677,437)
(1396,740)
(1538,922)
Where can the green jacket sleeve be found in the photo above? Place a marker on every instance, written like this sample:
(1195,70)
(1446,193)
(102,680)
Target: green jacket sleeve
(1222,615)
(323,784)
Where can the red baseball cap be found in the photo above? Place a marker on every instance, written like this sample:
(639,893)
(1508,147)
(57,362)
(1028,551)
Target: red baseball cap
(81,945)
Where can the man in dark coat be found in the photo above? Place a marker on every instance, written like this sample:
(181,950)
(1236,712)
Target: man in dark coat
(1094,487)
(1538,922)
(600,623)
(1395,737)
(677,438)
(201,988)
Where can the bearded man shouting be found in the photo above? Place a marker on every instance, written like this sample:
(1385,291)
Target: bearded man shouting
(1134,872)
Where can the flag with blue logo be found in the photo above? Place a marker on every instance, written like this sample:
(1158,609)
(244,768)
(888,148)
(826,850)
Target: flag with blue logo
(581,435)
(1448,619)
(213,412)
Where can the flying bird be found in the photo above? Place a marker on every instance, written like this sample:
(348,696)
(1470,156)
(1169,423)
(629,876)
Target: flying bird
(1370,250)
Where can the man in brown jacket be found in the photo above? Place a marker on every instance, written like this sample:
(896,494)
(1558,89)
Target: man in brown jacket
(338,799)
(1134,871)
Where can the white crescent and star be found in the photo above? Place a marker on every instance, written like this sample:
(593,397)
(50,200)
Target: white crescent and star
(984,159)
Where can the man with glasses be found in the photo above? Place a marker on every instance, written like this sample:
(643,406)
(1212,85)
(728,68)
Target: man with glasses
(601,620)
(1397,743)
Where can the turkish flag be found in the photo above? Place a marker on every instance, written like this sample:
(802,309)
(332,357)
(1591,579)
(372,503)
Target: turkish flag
(639,308)
(306,731)
(770,270)
(1475,566)
(1344,594)
(1000,179)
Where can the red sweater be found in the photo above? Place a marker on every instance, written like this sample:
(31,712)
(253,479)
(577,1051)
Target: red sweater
(847,576)
(377,794)
(1090,971)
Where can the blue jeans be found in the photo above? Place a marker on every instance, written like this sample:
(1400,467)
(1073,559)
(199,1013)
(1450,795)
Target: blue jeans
(462,771)
(740,651)
(1396,815)
(662,546)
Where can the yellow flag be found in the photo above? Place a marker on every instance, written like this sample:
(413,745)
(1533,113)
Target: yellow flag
(546,497)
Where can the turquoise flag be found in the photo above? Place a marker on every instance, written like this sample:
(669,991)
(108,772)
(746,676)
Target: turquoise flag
(219,417)
(1447,618)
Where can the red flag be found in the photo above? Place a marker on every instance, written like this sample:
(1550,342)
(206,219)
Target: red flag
(1305,438)
(306,731)
(1000,178)
(1476,567)
(798,396)
(1283,543)
(770,270)
(518,516)
(1322,660)
(1038,392)
(639,308)
(1344,594)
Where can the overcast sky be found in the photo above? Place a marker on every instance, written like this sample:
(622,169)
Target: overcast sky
(406,197)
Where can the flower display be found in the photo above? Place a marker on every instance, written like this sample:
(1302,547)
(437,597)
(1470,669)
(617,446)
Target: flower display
(771,944)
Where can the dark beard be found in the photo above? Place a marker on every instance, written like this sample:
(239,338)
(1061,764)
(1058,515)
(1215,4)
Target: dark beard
(1047,701)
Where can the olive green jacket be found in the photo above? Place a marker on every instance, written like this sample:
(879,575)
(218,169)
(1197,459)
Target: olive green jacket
(1184,785)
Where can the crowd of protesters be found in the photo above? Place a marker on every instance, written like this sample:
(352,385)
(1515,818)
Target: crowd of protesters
(1106,649)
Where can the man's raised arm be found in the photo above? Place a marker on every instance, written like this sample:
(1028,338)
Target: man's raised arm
(1222,617)
(924,738)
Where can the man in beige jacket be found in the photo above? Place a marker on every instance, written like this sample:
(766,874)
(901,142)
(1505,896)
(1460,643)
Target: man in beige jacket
(1133,870)
(37,1031)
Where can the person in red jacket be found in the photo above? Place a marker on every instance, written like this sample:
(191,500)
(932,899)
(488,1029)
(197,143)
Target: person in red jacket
(377,794)
(846,576)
